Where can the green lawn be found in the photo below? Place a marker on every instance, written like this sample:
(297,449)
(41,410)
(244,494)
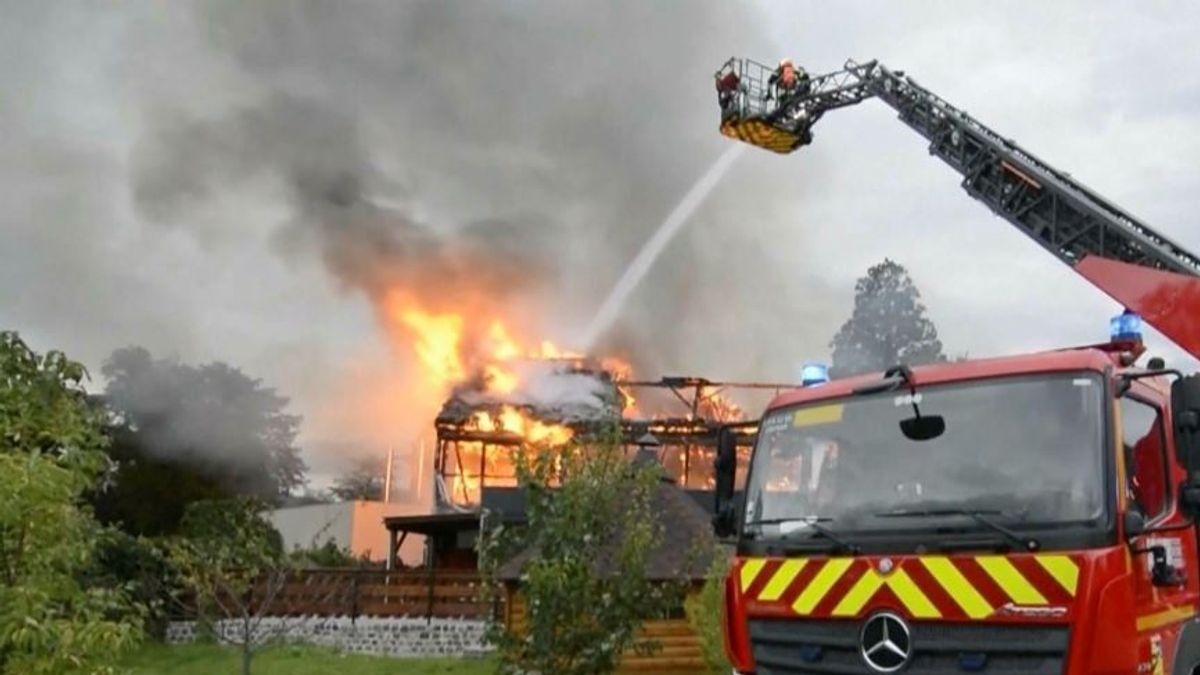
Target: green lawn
(289,660)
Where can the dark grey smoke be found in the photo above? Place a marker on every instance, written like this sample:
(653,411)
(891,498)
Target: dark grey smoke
(212,418)
(560,133)
(316,155)
(550,140)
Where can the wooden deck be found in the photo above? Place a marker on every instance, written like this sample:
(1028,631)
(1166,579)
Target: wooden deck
(679,650)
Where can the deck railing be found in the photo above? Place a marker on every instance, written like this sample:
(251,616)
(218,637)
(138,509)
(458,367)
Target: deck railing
(358,593)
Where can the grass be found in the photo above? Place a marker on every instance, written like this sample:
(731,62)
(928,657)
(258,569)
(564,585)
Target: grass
(205,659)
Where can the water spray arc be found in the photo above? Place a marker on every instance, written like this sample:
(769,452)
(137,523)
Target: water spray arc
(654,247)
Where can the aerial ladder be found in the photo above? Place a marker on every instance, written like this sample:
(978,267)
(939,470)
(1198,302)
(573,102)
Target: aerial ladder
(1143,270)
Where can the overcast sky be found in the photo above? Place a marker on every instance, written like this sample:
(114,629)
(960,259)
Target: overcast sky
(156,158)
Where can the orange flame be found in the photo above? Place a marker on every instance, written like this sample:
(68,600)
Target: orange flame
(499,380)
(549,350)
(515,421)
(437,339)
(714,406)
(465,488)
(622,371)
(500,349)
(466,342)
(504,348)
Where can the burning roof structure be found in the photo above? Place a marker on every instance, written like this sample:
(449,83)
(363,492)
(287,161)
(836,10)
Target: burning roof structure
(554,400)
(560,391)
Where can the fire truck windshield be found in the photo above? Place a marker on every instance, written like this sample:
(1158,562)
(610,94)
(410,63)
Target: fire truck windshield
(1027,449)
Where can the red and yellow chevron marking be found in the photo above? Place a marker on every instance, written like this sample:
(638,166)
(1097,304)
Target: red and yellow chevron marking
(760,133)
(925,587)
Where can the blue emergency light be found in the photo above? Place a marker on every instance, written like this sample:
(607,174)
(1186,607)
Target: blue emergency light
(1125,327)
(812,374)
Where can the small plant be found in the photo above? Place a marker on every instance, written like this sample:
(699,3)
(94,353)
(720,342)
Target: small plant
(704,611)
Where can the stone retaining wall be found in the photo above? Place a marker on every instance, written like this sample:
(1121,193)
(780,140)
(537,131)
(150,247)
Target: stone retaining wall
(384,636)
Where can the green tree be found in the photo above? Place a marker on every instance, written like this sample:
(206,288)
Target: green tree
(582,570)
(364,480)
(52,620)
(887,327)
(184,434)
(232,560)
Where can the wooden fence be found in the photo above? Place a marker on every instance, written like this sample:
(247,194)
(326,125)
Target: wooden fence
(679,651)
(378,593)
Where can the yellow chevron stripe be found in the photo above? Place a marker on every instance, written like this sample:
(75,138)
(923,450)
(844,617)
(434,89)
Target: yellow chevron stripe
(859,594)
(1008,578)
(759,133)
(917,603)
(1063,569)
(782,578)
(750,570)
(820,585)
(957,586)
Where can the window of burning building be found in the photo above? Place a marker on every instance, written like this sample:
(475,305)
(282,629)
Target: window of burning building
(467,466)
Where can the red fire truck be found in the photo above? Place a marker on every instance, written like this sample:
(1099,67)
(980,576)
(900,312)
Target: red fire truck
(1028,514)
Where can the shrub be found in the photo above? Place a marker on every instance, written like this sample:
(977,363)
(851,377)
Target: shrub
(704,612)
(582,569)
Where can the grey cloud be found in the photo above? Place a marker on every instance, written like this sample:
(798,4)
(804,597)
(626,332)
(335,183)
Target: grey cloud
(237,158)
(517,117)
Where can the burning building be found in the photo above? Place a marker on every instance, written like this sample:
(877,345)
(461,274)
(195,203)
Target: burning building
(479,429)
(478,432)
(551,398)
(492,390)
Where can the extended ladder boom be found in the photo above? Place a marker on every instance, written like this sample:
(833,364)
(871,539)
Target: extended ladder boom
(1071,221)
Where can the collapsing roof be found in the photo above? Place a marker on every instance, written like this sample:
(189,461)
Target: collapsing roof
(550,390)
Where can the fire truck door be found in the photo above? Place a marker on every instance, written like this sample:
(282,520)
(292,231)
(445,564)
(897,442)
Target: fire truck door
(1165,595)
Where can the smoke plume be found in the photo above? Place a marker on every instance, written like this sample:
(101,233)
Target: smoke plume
(316,155)
(237,182)
(536,141)
(505,157)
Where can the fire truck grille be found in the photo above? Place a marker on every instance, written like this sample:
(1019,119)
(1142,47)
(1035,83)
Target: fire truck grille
(786,647)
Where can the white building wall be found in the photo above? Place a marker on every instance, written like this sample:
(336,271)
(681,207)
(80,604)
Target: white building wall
(357,526)
(314,524)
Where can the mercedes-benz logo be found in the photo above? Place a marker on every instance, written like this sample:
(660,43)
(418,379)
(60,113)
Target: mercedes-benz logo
(886,643)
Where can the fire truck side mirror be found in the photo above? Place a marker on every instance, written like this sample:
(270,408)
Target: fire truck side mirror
(1134,523)
(725,471)
(923,427)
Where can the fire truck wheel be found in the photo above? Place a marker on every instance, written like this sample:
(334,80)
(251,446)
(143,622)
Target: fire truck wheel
(1187,650)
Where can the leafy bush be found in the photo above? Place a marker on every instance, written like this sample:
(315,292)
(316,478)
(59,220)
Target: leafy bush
(329,554)
(704,611)
(51,452)
(582,570)
(140,567)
